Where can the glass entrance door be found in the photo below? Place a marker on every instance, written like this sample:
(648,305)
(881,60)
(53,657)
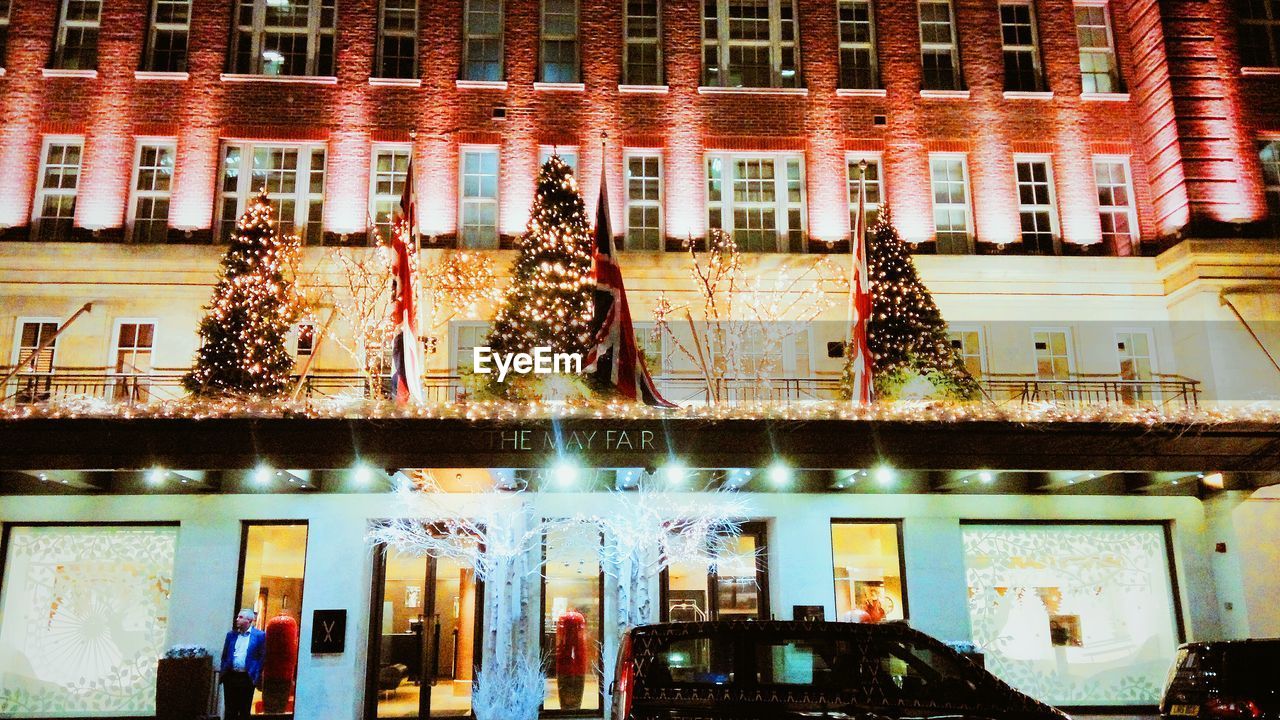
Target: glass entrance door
(422,637)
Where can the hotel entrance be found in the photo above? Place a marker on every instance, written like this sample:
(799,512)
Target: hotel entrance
(424,617)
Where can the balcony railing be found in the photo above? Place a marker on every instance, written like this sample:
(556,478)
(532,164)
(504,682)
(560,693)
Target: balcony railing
(1168,392)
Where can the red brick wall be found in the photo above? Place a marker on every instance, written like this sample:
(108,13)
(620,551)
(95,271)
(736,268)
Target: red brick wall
(111,109)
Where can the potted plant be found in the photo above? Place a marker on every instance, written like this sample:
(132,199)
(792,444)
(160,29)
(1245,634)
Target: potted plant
(184,683)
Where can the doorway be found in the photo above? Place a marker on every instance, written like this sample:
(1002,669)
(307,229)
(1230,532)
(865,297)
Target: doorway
(424,619)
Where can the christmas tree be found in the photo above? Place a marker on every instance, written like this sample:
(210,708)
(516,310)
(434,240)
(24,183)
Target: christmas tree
(242,336)
(549,301)
(906,333)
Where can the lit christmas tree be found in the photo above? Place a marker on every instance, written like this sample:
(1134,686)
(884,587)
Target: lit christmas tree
(242,336)
(906,333)
(549,301)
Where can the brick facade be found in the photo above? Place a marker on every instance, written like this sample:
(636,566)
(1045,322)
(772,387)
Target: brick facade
(1188,125)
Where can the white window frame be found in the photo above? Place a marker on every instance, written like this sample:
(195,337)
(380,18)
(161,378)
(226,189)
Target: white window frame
(950,48)
(469,36)
(968,199)
(869,45)
(1051,208)
(4,33)
(723,45)
(851,160)
(463,200)
(66,25)
(157,27)
(135,194)
(258,30)
(782,205)
(628,42)
(544,37)
(37,209)
(980,331)
(656,154)
(1271,188)
(393,197)
(1070,345)
(1109,50)
(645,328)
(1270,26)
(565,152)
(1033,48)
(1135,232)
(1152,395)
(384,34)
(454,356)
(117,375)
(302,196)
(296,338)
(17,354)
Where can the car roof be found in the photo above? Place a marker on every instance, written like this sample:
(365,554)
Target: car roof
(1225,644)
(773,627)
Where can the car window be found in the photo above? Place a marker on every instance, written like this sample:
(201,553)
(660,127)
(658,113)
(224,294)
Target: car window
(1253,667)
(805,661)
(692,661)
(921,672)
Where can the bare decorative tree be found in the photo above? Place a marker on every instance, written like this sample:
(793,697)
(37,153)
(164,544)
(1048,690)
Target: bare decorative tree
(500,536)
(744,322)
(457,286)
(363,301)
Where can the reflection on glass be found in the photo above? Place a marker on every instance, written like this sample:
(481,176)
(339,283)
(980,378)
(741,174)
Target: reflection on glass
(687,592)
(427,638)
(571,619)
(271,584)
(737,589)
(867,575)
(728,589)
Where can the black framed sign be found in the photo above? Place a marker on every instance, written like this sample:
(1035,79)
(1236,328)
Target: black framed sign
(329,632)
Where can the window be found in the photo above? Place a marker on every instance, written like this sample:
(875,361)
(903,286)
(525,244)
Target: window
(1259,33)
(1053,354)
(969,346)
(55,206)
(1036,212)
(572,589)
(1073,613)
(167,43)
(152,181)
(939,53)
(734,587)
(1099,72)
(568,154)
(390,170)
(758,200)
(465,337)
(1270,157)
(398,39)
(857,45)
(482,44)
(1115,205)
(705,660)
(84,607)
(77,43)
(749,43)
(284,37)
(273,561)
(4,30)
(426,611)
(642,52)
(875,191)
(479,207)
(305,344)
(293,176)
(559,41)
(131,360)
(1021,47)
(36,363)
(649,340)
(1137,365)
(868,571)
(950,203)
(644,202)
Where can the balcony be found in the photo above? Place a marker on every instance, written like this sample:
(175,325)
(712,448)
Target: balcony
(1163,392)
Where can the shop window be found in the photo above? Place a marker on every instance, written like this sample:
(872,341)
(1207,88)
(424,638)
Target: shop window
(290,38)
(84,613)
(424,621)
(642,51)
(1073,614)
(273,560)
(572,590)
(867,562)
(749,43)
(734,587)
(167,41)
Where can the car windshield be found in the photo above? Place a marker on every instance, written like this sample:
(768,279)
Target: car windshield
(1252,667)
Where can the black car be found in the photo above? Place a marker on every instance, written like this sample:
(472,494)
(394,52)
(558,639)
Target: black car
(1227,680)
(743,670)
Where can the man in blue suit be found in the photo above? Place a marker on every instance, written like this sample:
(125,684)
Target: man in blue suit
(242,665)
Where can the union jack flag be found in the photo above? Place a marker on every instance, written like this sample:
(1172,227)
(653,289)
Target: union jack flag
(857,349)
(614,358)
(406,353)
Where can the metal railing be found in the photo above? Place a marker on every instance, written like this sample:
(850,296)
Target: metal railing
(1161,391)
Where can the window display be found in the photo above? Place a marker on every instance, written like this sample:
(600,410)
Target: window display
(867,566)
(1073,614)
(271,581)
(571,610)
(83,618)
